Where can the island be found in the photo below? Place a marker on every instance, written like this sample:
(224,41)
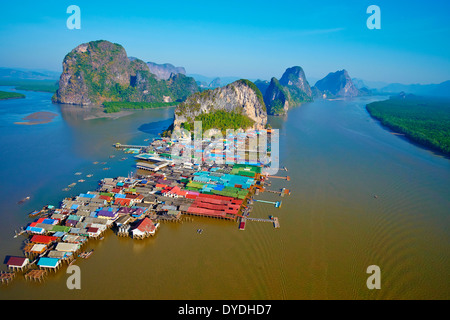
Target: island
(4,95)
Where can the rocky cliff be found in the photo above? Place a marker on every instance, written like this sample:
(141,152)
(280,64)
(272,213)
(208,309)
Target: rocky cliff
(337,84)
(241,97)
(100,71)
(292,89)
(276,98)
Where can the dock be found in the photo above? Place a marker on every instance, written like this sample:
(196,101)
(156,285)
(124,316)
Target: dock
(128,146)
(277,177)
(277,204)
(273,220)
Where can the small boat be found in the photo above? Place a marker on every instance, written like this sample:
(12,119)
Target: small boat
(72,185)
(111,156)
(89,175)
(77,173)
(81,180)
(199,231)
(86,254)
(106,168)
(103,163)
(375,196)
(34,213)
(23,200)
(95,162)
(65,189)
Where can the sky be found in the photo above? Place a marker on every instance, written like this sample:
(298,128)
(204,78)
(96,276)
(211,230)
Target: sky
(249,39)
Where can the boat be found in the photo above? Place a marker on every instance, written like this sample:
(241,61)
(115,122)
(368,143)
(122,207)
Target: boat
(89,175)
(23,200)
(95,162)
(81,180)
(86,254)
(77,173)
(34,213)
(111,156)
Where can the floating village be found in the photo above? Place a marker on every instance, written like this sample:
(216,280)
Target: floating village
(163,189)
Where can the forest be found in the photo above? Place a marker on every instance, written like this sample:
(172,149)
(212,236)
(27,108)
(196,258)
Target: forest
(424,120)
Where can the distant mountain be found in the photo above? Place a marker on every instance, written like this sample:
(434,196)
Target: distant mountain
(262,85)
(100,71)
(205,82)
(217,82)
(438,90)
(23,74)
(163,71)
(337,84)
(292,89)
(359,83)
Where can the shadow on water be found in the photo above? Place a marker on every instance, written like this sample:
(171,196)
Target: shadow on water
(156,127)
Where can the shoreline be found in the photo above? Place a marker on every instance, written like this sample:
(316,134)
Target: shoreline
(411,139)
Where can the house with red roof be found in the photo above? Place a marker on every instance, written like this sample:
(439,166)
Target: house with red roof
(146,227)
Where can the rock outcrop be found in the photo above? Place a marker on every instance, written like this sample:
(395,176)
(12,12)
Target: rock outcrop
(276,98)
(292,89)
(241,97)
(336,84)
(101,71)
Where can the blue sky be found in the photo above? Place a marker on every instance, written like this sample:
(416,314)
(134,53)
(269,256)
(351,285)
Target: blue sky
(251,39)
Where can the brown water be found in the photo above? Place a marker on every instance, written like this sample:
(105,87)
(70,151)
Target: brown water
(332,227)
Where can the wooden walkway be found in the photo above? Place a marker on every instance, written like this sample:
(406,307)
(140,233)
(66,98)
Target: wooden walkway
(273,220)
(125,146)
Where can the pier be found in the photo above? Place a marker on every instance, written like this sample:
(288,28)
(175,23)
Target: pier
(277,204)
(273,220)
(128,146)
(277,177)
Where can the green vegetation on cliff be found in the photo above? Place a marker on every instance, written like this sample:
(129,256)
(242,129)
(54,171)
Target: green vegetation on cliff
(423,120)
(221,120)
(279,95)
(4,95)
(100,71)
